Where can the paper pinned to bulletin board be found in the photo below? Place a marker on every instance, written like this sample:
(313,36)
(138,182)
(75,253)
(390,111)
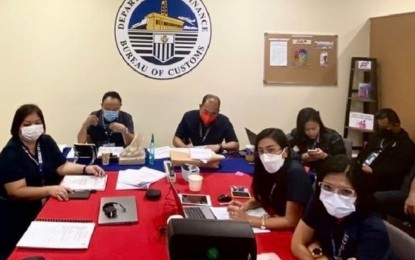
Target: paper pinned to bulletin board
(300,59)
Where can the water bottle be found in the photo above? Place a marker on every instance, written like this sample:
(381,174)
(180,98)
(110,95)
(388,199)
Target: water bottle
(151,151)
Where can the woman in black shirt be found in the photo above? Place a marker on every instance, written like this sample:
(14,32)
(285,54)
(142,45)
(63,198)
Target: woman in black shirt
(31,168)
(279,185)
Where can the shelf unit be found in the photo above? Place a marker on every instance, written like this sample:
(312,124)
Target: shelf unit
(362,101)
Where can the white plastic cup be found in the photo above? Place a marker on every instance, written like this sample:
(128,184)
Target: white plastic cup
(195,182)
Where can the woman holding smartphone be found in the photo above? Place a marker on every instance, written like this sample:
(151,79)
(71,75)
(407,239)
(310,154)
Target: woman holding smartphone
(279,185)
(338,223)
(312,141)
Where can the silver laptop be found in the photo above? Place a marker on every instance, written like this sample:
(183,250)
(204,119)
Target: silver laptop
(191,212)
(117,211)
(251,136)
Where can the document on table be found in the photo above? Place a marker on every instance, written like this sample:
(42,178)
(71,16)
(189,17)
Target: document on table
(84,182)
(114,150)
(162,152)
(138,179)
(222,213)
(57,234)
(201,154)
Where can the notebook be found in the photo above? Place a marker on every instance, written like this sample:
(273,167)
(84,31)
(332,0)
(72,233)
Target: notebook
(117,211)
(58,234)
(251,136)
(191,212)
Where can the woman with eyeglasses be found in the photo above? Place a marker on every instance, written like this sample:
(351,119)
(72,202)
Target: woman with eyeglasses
(31,168)
(312,141)
(279,185)
(338,223)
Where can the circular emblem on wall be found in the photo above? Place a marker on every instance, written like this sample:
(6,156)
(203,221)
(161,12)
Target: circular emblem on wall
(163,39)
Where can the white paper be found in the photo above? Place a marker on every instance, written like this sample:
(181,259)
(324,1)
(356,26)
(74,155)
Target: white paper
(114,150)
(162,152)
(59,235)
(62,146)
(138,179)
(222,213)
(201,154)
(278,53)
(71,154)
(85,182)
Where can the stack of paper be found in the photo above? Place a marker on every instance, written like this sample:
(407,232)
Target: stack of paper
(84,182)
(114,150)
(222,213)
(201,154)
(162,152)
(58,234)
(138,179)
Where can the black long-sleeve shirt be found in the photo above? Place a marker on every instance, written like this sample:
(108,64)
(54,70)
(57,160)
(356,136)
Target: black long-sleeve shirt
(396,156)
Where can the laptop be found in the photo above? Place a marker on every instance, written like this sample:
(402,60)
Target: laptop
(117,211)
(251,136)
(190,212)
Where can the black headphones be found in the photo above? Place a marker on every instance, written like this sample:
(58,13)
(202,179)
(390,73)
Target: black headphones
(110,210)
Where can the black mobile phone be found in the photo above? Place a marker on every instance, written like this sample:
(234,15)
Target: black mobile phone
(80,195)
(241,194)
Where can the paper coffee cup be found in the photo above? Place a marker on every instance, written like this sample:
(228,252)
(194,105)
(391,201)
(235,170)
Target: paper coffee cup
(195,182)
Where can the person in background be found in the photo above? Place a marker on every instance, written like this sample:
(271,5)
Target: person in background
(338,223)
(389,155)
(312,141)
(31,168)
(279,185)
(108,126)
(206,127)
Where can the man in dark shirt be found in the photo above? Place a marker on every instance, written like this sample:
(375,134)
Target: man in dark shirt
(108,126)
(206,127)
(388,156)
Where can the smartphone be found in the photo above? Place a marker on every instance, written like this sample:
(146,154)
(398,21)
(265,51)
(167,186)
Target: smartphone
(240,192)
(311,150)
(80,195)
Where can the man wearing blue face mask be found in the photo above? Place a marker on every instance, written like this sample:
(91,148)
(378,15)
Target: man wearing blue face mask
(108,126)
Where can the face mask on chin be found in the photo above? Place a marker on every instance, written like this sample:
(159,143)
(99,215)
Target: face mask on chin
(110,115)
(336,205)
(206,118)
(272,162)
(386,133)
(32,133)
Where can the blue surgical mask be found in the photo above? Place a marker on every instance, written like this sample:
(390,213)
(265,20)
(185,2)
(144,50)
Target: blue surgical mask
(110,115)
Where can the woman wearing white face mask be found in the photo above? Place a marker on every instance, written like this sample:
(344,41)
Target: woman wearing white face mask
(279,185)
(337,223)
(31,168)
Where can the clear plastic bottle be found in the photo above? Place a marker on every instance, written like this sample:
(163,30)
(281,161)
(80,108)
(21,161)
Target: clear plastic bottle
(151,151)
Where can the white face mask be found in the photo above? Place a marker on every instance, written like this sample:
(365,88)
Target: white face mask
(337,205)
(272,162)
(31,133)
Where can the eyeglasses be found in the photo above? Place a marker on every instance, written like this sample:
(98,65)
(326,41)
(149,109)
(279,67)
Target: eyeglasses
(347,192)
(270,149)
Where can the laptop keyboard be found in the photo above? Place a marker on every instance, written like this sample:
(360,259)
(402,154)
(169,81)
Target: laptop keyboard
(194,213)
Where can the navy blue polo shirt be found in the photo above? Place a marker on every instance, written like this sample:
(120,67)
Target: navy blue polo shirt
(364,238)
(101,134)
(191,129)
(290,183)
(16,164)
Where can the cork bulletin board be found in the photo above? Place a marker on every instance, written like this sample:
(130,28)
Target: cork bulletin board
(300,59)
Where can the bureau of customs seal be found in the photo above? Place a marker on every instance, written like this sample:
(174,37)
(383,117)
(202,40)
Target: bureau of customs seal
(163,39)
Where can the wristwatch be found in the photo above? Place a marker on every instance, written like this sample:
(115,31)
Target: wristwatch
(317,252)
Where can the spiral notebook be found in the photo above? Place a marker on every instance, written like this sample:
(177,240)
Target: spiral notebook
(58,234)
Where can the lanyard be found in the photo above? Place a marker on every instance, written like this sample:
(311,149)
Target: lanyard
(206,134)
(337,253)
(38,162)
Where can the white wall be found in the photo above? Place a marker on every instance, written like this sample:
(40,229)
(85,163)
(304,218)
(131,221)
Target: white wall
(61,55)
